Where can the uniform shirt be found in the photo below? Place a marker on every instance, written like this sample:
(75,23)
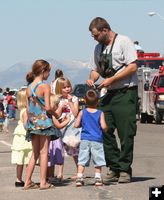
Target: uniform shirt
(123,52)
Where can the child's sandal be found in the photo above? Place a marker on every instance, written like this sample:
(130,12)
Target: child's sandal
(60,178)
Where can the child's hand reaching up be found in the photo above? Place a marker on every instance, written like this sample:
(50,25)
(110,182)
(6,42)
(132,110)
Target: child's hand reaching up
(69,97)
(68,117)
(63,123)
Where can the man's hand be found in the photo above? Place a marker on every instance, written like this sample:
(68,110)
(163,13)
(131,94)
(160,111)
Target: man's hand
(128,71)
(90,82)
(94,76)
(106,83)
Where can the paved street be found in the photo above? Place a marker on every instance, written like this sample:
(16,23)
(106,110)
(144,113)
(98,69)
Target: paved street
(148,168)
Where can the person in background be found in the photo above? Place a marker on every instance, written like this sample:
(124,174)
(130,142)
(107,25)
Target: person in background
(114,59)
(56,146)
(21,148)
(138,47)
(11,105)
(2,110)
(6,121)
(39,124)
(7,90)
(93,123)
(6,94)
(1,94)
(58,74)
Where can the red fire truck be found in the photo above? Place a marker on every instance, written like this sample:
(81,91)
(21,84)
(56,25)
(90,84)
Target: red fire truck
(157,96)
(152,60)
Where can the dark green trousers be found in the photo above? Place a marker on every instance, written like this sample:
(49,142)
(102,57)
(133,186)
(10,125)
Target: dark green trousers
(119,107)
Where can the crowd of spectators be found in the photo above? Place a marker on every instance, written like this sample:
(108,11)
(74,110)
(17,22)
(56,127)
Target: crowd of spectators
(7,108)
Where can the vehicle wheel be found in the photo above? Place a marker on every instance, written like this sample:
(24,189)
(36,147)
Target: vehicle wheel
(158,117)
(143,118)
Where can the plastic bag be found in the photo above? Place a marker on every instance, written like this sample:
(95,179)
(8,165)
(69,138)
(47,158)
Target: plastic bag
(71,135)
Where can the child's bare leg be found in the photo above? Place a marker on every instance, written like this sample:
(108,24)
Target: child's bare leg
(19,171)
(80,169)
(98,170)
(60,171)
(98,178)
(75,158)
(80,172)
(33,159)
(44,147)
(5,125)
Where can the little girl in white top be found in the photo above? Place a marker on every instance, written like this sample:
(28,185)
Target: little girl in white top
(70,104)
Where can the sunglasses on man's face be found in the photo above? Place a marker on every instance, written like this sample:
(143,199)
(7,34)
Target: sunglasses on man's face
(96,35)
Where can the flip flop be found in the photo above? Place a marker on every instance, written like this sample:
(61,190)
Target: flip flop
(31,186)
(49,186)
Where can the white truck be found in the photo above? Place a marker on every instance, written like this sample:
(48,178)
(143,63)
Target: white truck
(151,87)
(146,107)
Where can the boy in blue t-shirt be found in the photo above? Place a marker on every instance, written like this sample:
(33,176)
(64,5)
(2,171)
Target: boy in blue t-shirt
(93,124)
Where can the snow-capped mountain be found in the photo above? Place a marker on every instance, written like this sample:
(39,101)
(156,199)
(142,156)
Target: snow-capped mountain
(15,76)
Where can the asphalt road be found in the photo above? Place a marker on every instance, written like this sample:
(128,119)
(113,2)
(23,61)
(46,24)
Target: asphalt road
(148,168)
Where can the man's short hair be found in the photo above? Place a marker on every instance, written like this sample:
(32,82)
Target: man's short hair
(99,23)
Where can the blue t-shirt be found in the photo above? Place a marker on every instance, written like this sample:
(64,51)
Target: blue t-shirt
(91,127)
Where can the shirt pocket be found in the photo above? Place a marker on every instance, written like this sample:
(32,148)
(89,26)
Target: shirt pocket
(118,58)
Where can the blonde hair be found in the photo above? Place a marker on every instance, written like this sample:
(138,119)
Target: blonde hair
(54,99)
(21,99)
(60,84)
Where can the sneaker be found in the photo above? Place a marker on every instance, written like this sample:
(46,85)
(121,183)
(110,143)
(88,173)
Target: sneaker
(19,184)
(98,182)
(79,182)
(112,175)
(124,178)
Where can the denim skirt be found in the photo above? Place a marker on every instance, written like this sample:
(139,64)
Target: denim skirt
(53,132)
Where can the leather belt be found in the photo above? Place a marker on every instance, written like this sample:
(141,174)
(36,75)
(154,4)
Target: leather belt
(122,89)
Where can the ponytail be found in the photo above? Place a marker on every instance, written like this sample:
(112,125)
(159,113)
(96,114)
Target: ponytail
(29,77)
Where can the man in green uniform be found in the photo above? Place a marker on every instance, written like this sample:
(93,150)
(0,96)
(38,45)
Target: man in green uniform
(114,59)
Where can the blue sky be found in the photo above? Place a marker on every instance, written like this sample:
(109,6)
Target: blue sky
(34,29)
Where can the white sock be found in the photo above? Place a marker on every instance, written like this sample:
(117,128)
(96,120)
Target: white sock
(79,175)
(97,175)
